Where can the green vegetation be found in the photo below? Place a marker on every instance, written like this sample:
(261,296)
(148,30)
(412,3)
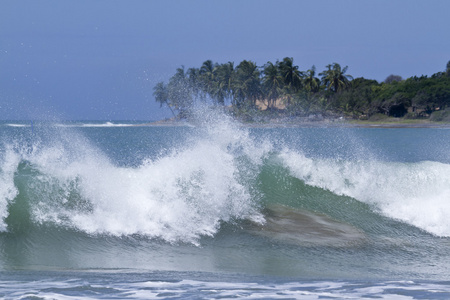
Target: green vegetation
(280,89)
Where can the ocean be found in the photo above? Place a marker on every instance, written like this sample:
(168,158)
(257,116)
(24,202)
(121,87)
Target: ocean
(215,209)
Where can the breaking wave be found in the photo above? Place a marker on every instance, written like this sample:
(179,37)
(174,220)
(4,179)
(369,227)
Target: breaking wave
(61,178)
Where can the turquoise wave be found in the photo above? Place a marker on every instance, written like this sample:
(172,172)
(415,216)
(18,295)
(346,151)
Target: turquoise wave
(218,198)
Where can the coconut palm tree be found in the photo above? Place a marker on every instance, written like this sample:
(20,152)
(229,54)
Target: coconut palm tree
(194,81)
(272,83)
(335,79)
(246,83)
(162,95)
(312,83)
(207,77)
(179,93)
(292,77)
(224,74)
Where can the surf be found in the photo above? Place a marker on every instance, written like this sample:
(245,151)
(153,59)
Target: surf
(414,193)
(215,173)
(179,197)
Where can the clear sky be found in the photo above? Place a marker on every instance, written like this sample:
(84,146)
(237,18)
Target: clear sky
(99,60)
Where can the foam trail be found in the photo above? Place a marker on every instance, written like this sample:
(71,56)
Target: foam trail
(415,193)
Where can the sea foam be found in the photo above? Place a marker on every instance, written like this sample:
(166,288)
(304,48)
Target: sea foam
(177,197)
(415,193)
(8,191)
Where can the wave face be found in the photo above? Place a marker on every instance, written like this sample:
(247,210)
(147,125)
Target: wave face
(415,193)
(217,196)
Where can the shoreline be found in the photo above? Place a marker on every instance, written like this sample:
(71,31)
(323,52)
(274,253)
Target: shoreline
(327,123)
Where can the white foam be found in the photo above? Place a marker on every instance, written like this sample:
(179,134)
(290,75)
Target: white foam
(179,197)
(18,125)
(107,124)
(8,191)
(154,289)
(416,193)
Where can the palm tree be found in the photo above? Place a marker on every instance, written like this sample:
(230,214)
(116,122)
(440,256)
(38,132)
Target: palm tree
(193,75)
(312,83)
(246,83)
(207,77)
(224,74)
(207,68)
(179,93)
(162,95)
(334,78)
(292,77)
(272,83)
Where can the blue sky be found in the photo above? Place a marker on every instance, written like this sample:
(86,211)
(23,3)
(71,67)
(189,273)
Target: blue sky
(99,60)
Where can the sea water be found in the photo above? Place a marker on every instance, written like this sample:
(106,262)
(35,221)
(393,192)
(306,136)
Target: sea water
(216,209)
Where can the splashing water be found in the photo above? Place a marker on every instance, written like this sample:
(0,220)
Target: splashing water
(177,197)
(211,177)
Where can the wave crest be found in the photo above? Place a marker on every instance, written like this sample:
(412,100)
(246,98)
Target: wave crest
(415,193)
(178,197)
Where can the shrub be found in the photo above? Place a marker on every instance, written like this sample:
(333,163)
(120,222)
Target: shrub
(440,116)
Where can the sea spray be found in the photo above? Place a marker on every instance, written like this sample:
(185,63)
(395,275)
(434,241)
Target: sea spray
(178,197)
(9,161)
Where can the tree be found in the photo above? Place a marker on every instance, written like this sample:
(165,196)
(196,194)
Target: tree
(312,83)
(246,83)
(224,74)
(179,93)
(359,98)
(194,81)
(292,77)
(162,95)
(272,83)
(393,78)
(357,101)
(335,79)
(207,77)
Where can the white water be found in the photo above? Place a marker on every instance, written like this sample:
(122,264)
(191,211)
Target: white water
(208,180)
(8,191)
(76,288)
(415,193)
(178,197)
